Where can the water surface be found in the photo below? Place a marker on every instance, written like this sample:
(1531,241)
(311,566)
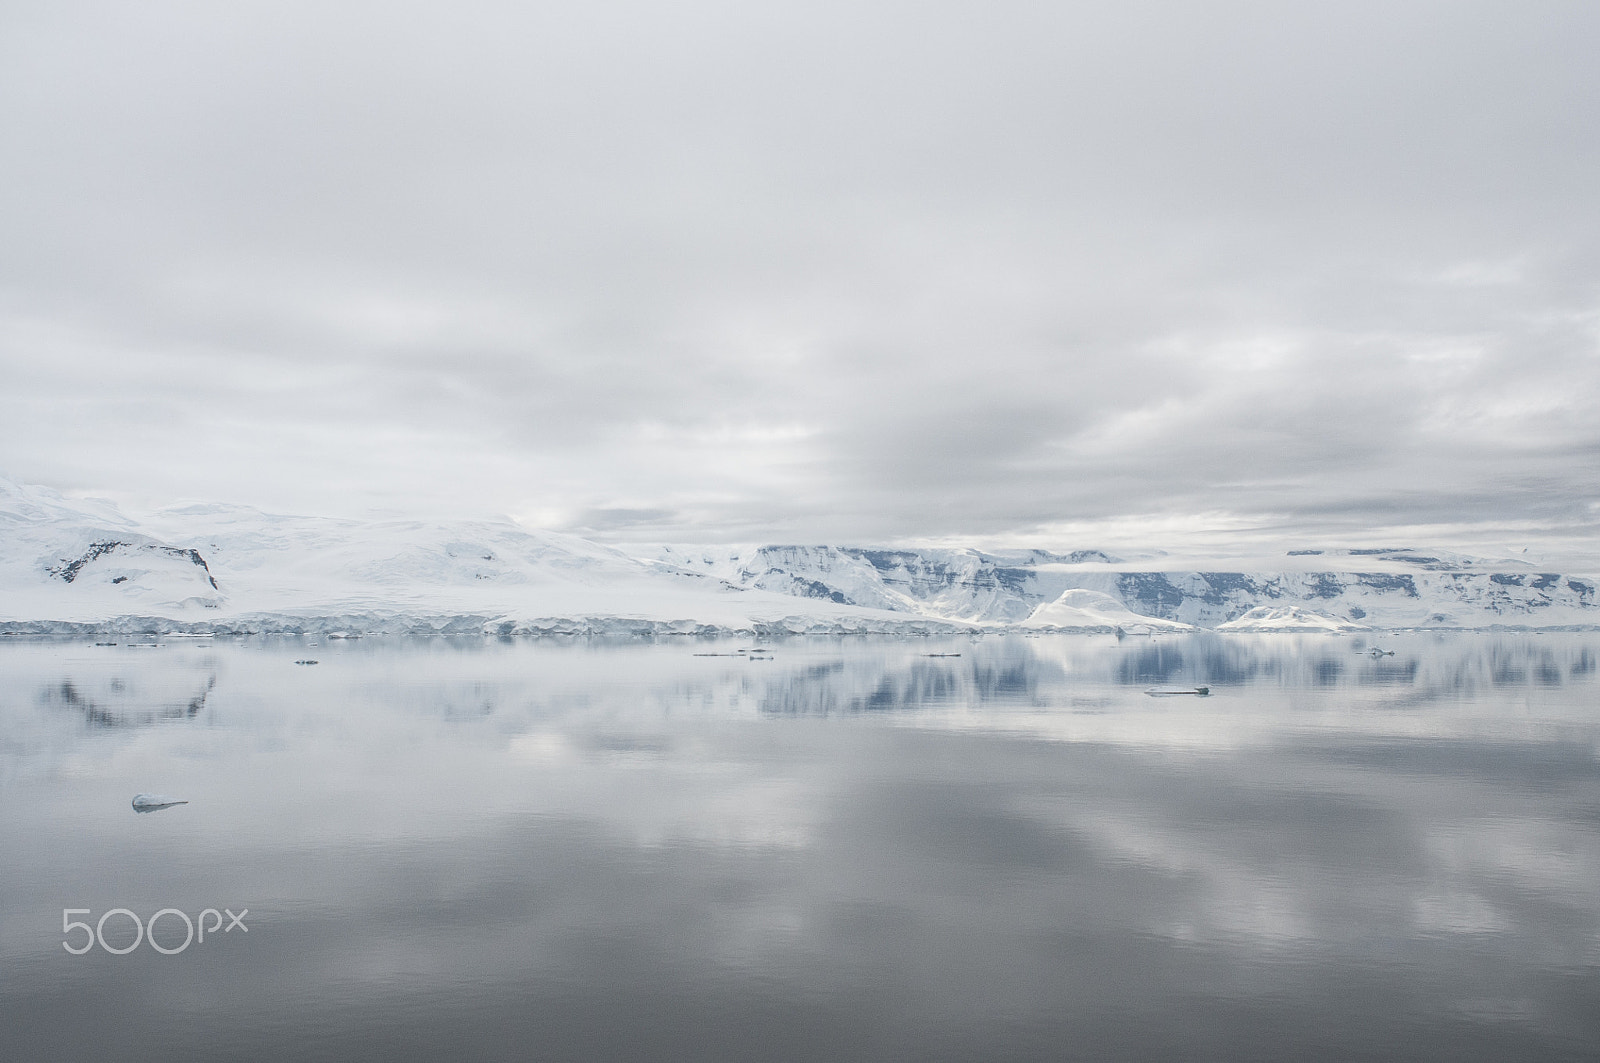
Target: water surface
(469,849)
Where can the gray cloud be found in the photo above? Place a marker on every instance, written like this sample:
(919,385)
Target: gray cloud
(840,272)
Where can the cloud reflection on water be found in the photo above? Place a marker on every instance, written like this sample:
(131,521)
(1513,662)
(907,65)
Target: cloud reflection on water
(854,846)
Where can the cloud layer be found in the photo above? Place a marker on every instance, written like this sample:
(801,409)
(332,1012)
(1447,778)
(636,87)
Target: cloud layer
(841,272)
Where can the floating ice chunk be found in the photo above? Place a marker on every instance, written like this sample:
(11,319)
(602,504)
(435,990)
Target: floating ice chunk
(154,802)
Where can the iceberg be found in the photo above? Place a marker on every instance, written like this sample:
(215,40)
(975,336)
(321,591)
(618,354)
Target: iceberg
(154,802)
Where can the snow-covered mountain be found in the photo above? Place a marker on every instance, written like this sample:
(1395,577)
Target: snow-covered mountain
(954,583)
(1079,609)
(66,563)
(1347,589)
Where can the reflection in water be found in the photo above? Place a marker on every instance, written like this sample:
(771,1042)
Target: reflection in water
(828,677)
(854,850)
(1156,663)
(116,702)
(1040,672)
(1387,671)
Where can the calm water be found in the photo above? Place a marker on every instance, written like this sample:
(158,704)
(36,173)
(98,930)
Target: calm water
(483,850)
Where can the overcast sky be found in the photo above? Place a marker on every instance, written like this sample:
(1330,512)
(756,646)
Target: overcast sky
(850,272)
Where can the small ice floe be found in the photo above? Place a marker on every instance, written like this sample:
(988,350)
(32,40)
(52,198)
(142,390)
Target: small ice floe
(1172,692)
(154,802)
(941,655)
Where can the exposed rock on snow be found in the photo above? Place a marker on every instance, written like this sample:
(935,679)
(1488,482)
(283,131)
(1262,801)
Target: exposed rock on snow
(69,569)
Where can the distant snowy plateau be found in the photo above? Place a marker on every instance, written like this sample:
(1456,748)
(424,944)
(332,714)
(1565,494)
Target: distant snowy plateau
(70,565)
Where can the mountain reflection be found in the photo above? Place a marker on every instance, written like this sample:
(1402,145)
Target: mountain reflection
(820,678)
(1020,671)
(119,702)
(809,677)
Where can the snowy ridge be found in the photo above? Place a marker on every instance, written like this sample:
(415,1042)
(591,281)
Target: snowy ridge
(1288,618)
(1082,610)
(1422,597)
(67,565)
(956,584)
(1352,588)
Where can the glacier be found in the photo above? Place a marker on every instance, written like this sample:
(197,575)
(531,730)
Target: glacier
(1309,589)
(76,566)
